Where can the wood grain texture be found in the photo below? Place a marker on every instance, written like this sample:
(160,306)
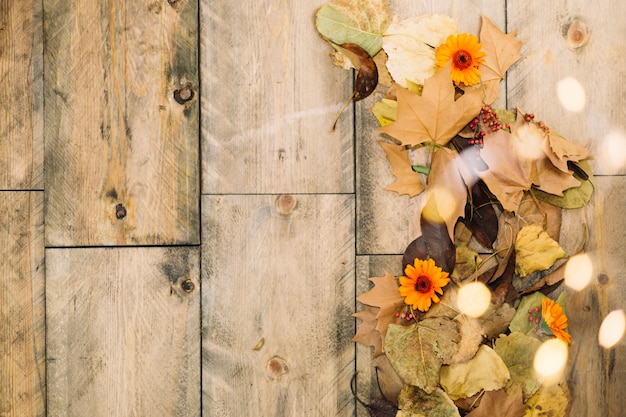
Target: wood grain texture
(598,375)
(123,328)
(115,132)
(387,222)
(22,308)
(278,292)
(583,41)
(21,95)
(269,99)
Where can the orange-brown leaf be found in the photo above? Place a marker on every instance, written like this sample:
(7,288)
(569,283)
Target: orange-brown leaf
(502,51)
(407,181)
(366,333)
(499,403)
(386,296)
(434,116)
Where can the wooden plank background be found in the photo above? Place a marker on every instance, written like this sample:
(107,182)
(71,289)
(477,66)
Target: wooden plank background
(141,97)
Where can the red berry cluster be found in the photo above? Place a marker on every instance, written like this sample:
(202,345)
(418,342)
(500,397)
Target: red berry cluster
(530,117)
(486,119)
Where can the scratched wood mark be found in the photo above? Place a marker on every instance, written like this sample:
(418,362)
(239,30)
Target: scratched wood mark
(121,91)
(22,311)
(123,332)
(278,292)
(21,95)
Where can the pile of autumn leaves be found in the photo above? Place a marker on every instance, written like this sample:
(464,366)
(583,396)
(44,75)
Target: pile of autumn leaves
(493,213)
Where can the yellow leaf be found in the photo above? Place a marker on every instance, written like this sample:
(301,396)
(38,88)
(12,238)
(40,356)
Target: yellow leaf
(535,250)
(407,180)
(434,116)
(385,111)
(551,400)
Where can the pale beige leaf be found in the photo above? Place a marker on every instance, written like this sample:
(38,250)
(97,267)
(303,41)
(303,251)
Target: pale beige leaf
(407,180)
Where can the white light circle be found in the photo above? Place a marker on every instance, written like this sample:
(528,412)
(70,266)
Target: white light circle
(571,94)
(473,299)
(612,329)
(551,357)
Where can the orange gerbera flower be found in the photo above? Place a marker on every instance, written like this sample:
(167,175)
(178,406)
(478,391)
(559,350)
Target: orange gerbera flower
(555,319)
(464,52)
(421,282)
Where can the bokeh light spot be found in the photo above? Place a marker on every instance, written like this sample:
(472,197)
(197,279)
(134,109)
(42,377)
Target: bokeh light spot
(578,271)
(614,149)
(550,358)
(571,94)
(474,299)
(612,329)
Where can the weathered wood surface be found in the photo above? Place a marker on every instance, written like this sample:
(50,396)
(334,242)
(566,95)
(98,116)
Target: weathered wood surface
(22,309)
(583,41)
(115,132)
(269,99)
(277,295)
(123,332)
(598,375)
(21,95)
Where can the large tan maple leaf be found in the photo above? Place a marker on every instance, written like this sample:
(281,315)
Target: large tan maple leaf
(435,116)
(407,181)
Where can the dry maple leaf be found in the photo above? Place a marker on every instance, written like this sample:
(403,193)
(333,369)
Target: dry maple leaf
(502,51)
(407,181)
(434,116)
(366,333)
(386,296)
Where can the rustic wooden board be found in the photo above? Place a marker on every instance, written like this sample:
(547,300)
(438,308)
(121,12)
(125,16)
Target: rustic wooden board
(123,331)
(269,99)
(22,308)
(277,295)
(115,133)
(585,41)
(598,375)
(387,222)
(21,95)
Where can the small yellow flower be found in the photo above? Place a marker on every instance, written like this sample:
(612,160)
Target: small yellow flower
(555,319)
(464,52)
(421,282)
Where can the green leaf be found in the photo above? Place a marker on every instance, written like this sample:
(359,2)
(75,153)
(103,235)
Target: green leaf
(572,198)
(518,350)
(414,402)
(485,371)
(520,321)
(354,21)
(417,352)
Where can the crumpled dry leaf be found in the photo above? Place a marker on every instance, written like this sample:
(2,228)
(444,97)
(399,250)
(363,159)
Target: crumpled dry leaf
(386,296)
(502,51)
(500,404)
(366,332)
(471,332)
(407,181)
(551,400)
(496,319)
(535,250)
(485,371)
(434,116)
(410,46)
(518,351)
(414,402)
(417,352)
(354,21)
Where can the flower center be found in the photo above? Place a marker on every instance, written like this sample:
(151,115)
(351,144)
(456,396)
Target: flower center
(423,284)
(462,59)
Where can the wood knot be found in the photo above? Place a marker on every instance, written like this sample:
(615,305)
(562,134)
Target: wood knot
(285,204)
(184,94)
(120,211)
(576,34)
(188,286)
(277,367)
(603,279)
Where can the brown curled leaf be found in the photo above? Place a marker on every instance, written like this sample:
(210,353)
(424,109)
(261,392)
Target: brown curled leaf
(367,75)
